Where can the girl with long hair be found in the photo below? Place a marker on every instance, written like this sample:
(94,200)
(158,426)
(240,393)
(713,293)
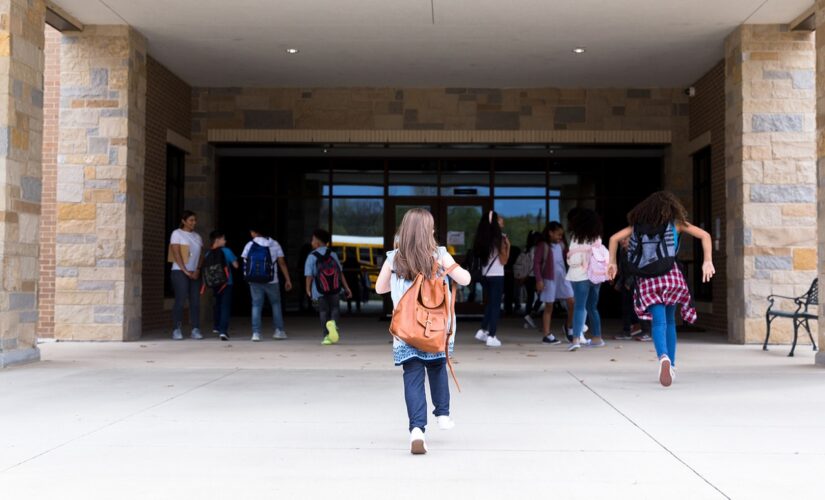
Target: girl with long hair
(656,297)
(492,248)
(585,233)
(551,279)
(415,251)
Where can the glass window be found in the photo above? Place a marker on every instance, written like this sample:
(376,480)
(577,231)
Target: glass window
(364,254)
(465,178)
(358,178)
(415,177)
(358,218)
(520,184)
(572,185)
(521,217)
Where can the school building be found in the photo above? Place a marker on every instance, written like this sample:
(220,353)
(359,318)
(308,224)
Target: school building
(116,116)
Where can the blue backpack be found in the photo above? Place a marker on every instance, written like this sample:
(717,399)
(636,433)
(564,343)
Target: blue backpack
(258,267)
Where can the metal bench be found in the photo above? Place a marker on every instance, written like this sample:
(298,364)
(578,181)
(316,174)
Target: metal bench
(800,317)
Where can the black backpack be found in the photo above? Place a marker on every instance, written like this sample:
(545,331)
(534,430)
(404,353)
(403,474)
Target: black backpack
(651,250)
(215,270)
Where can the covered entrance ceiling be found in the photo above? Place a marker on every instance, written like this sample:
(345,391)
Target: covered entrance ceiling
(436,43)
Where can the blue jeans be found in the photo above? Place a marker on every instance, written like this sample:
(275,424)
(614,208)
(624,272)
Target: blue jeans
(186,289)
(663,329)
(494,289)
(271,291)
(415,394)
(222,310)
(586,295)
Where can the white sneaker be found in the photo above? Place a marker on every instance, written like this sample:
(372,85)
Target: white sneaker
(529,321)
(574,347)
(177,334)
(482,335)
(672,373)
(445,422)
(665,371)
(493,342)
(256,337)
(224,336)
(215,332)
(584,340)
(196,334)
(418,446)
(279,335)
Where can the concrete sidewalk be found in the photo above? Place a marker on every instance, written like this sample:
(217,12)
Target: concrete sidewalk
(159,419)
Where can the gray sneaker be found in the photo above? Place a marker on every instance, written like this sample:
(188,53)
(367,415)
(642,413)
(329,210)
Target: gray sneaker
(256,337)
(196,334)
(279,335)
(177,334)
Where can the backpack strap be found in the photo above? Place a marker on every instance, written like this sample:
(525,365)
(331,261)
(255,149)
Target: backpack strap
(453,291)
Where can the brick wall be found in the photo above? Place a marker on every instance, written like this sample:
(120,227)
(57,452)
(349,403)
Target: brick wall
(707,114)
(168,107)
(48,213)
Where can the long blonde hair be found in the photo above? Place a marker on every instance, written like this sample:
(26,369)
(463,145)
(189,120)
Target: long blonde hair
(415,241)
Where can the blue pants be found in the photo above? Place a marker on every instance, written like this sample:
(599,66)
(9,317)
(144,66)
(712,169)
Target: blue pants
(415,394)
(271,291)
(586,295)
(494,288)
(186,289)
(222,310)
(663,329)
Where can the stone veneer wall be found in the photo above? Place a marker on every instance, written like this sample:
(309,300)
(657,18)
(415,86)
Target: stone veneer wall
(21,136)
(168,107)
(100,184)
(48,211)
(771,173)
(707,114)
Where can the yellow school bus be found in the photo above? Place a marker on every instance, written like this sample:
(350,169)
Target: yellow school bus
(368,251)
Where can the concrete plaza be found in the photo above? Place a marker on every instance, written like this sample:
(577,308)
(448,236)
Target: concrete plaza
(159,419)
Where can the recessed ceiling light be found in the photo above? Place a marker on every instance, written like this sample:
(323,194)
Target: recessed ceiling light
(292,51)
(579,50)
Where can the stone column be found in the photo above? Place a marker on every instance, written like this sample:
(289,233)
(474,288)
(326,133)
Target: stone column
(21,138)
(100,169)
(770,157)
(820,141)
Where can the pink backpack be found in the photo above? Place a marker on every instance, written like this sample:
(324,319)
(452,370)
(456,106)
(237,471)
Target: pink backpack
(598,258)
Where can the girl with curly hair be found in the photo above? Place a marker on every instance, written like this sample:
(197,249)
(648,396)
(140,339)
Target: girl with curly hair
(661,218)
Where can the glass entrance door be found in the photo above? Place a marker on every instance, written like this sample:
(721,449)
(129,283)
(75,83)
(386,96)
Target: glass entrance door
(459,218)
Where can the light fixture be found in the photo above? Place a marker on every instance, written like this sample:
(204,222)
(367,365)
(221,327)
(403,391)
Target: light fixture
(292,51)
(579,50)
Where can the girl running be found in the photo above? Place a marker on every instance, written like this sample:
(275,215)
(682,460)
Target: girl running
(415,251)
(659,221)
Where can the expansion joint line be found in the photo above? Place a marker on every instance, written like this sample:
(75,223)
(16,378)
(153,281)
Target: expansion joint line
(649,435)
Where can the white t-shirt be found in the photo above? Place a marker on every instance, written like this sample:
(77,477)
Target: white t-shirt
(275,251)
(193,242)
(496,268)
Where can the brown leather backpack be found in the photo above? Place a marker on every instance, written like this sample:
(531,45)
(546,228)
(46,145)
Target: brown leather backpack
(424,317)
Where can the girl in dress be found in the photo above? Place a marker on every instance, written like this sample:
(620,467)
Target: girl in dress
(415,251)
(656,297)
(551,277)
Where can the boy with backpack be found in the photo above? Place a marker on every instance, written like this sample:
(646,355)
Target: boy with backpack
(260,256)
(218,276)
(324,282)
